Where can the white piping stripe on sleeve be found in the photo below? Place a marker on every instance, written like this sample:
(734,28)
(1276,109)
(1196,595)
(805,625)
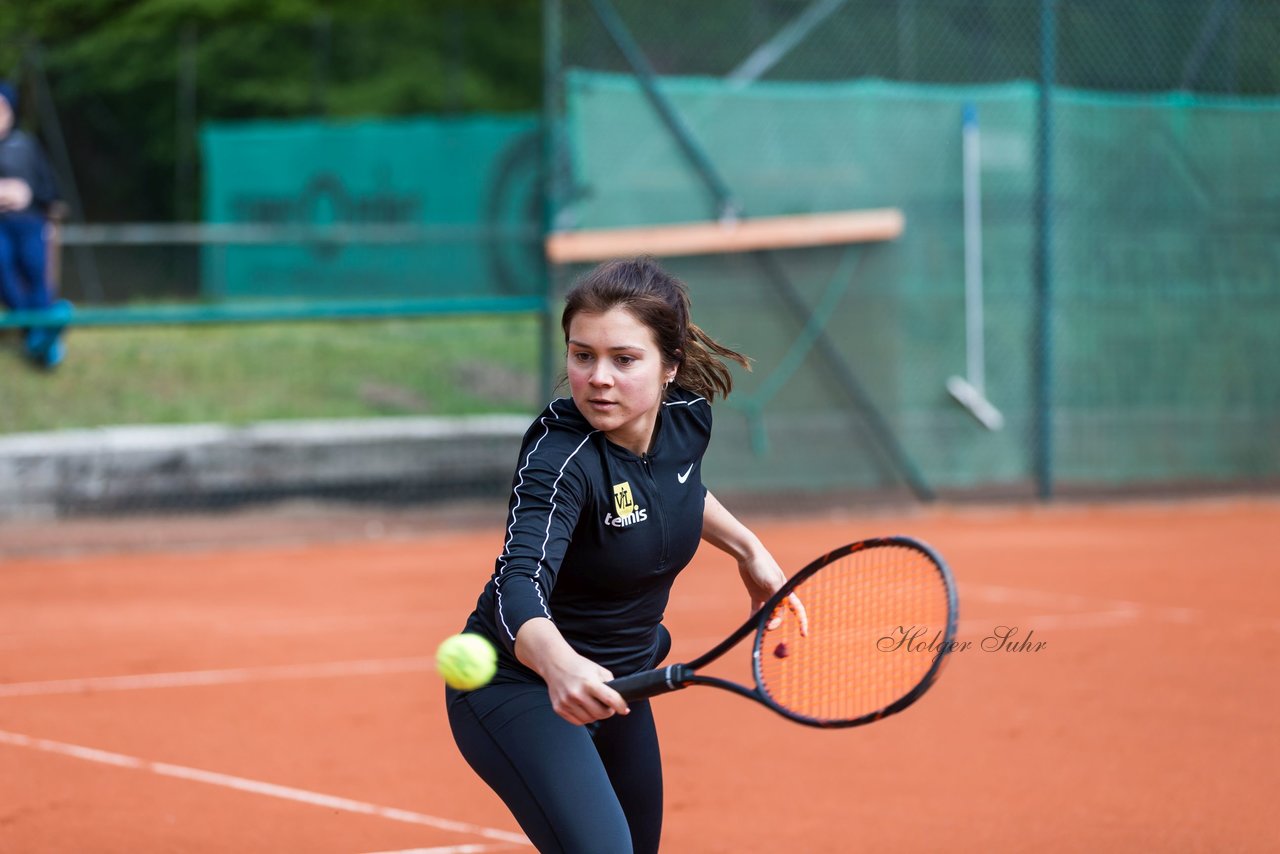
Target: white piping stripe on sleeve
(511,525)
(555,487)
(682,402)
(502,559)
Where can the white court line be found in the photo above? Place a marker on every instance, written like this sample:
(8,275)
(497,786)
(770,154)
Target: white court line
(450,849)
(242,628)
(256,787)
(1026,596)
(368,667)
(1095,612)
(1087,620)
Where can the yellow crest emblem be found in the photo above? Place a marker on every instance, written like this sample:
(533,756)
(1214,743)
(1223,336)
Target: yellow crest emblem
(623,501)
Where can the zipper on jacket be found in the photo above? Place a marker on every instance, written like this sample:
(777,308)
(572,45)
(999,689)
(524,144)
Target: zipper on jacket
(658,502)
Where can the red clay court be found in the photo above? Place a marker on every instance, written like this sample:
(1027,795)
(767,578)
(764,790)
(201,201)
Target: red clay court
(276,692)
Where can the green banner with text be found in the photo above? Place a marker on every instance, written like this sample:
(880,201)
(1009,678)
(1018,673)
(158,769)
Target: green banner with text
(389,208)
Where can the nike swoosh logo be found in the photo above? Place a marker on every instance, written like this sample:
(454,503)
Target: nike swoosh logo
(683,477)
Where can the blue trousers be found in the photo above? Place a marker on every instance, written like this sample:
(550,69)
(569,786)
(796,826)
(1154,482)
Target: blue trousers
(24,281)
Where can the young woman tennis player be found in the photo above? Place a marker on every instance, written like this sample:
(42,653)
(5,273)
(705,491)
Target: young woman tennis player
(607,506)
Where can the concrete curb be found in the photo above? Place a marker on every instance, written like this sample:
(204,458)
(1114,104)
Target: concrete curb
(113,469)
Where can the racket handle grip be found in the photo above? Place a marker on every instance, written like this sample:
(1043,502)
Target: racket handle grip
(651,683)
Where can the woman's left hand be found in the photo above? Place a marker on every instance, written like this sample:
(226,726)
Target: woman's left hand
(762,577)
(760,572)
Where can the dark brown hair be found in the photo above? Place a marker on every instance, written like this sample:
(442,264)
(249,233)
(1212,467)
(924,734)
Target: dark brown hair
(661,302)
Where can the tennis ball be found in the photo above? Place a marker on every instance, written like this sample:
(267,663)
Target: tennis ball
(466,661)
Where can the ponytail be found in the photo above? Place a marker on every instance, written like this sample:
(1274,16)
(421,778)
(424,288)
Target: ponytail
(702,369)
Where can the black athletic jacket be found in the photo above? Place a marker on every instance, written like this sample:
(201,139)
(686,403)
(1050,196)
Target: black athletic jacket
(596,535)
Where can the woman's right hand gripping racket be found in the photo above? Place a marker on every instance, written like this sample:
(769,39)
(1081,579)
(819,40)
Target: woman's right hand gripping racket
(881,618)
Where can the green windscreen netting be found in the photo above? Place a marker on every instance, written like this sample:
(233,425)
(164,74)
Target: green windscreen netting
(441,207)
(1165,259)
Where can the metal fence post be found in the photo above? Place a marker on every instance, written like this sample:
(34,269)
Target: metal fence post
(1042,342)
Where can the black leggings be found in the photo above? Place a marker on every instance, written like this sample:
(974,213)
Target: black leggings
(573,789)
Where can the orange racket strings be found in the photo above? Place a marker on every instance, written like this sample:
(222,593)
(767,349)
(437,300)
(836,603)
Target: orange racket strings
(876,621)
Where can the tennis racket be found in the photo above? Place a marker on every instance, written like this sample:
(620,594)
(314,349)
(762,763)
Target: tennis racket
(857,635)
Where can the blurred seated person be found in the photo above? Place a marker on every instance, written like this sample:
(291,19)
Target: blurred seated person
(28,191)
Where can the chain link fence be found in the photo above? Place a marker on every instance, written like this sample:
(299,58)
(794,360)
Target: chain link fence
(304,254)
(1083,295)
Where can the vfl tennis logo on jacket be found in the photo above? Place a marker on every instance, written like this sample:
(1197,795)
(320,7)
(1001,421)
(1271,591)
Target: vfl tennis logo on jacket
(624,503)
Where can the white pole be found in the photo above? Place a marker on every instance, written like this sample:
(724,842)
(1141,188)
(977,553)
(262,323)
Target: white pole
(974,345)
(970,390)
